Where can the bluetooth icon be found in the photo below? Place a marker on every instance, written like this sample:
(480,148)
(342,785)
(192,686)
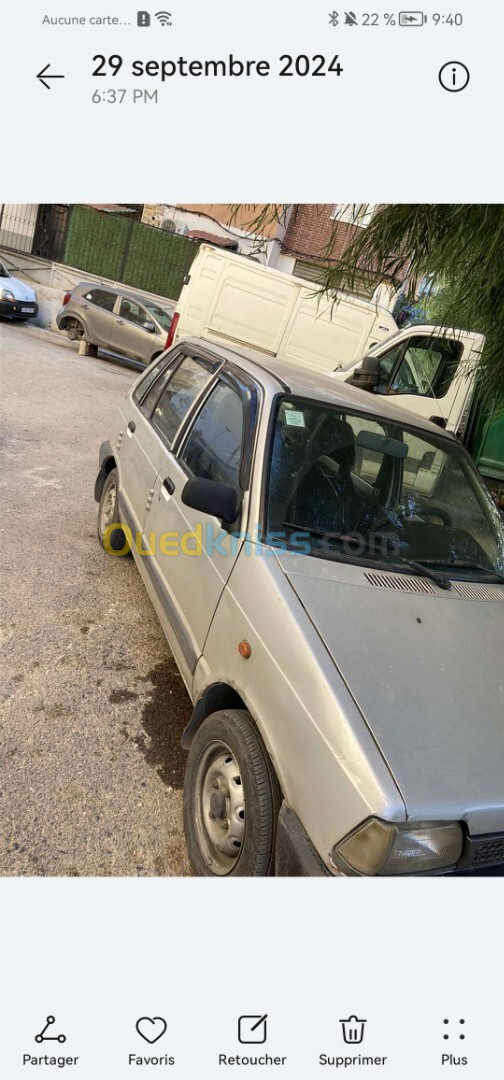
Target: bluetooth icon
(333,18)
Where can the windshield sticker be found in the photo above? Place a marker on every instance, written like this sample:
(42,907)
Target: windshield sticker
(294,418)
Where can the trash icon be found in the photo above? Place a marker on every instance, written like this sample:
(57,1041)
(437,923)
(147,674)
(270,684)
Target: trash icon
(353,1029)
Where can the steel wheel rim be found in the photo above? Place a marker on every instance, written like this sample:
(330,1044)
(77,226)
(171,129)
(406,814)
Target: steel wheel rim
(107,513)
(220,808)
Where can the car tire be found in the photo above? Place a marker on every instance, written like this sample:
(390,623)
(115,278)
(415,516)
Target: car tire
(75,331)
(108,513)
(231,799)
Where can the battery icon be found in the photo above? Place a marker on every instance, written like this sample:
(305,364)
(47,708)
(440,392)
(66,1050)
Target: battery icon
(412,18)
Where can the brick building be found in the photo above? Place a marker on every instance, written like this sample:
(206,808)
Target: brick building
(318,234)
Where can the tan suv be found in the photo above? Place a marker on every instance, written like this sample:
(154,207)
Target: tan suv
(114,319)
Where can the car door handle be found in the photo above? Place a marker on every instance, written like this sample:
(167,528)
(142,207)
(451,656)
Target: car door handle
(169,485)
(85,306)
(120,322)
(132,426)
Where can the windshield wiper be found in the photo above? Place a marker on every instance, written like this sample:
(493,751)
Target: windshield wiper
(466,564)
(419,567)
(423,571)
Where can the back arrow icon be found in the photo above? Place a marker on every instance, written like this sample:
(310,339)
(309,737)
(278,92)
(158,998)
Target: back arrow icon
(42,75)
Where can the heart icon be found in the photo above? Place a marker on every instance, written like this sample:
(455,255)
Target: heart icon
(151,1028)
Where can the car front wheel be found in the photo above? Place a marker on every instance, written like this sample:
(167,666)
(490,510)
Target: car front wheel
(113,540)
(231,799)
(75,330)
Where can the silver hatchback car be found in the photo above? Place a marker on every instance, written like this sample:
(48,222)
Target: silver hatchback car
(114,319)
(329,574)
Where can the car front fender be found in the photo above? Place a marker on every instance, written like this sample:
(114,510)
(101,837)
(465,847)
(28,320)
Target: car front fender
(106,462)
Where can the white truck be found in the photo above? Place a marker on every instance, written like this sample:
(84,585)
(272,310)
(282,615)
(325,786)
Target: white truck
(237,301)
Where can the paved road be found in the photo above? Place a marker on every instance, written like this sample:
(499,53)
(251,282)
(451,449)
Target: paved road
(92,704)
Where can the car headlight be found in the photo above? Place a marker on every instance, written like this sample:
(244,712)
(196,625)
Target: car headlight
(380,847)
(7,295)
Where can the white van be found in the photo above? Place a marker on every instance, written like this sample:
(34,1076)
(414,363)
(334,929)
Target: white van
(233,300)
(230,298)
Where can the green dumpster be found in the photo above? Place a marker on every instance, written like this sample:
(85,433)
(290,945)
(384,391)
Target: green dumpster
(486,443)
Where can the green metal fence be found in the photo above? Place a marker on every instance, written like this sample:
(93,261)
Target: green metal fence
(135,254)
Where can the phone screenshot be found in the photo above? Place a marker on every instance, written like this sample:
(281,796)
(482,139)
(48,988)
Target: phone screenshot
(252,540)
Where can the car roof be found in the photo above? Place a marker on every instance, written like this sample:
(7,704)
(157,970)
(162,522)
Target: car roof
(137,297)
(320,385)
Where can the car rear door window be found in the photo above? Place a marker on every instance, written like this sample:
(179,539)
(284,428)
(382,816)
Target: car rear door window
(177,397)
(101,298)
(214,448)
(151,379)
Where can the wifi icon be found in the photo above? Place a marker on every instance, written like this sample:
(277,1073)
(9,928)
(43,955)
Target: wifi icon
(164,17)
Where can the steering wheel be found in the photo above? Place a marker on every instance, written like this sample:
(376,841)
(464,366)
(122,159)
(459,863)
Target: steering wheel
(435,511)
(391,518)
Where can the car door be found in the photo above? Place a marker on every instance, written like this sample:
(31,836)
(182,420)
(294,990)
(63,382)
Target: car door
(431,371)
(97,309)
(195,554)
(130,330)
(139,450)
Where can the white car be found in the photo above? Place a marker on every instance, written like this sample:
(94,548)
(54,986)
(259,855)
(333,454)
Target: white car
(17,300)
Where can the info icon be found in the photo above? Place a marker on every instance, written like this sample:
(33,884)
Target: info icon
(454,76)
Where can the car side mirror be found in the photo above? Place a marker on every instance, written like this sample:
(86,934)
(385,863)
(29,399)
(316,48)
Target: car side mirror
(149,327)
(367,375)
(211,497)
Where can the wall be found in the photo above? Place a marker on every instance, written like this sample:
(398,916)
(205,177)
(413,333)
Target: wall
(222,212)
(312,230)
(216,219)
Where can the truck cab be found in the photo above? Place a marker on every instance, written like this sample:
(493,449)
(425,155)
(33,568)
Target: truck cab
(430,369)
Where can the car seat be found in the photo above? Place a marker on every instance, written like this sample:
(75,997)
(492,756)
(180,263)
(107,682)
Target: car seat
(325,498)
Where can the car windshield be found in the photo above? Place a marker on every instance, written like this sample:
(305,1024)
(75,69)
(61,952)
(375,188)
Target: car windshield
(161,316)
(361,487)
(3,270)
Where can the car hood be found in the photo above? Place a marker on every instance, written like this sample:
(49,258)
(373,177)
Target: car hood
(426,671)
(18,288)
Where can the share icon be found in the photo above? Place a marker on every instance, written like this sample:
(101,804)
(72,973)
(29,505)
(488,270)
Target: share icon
(42,1037)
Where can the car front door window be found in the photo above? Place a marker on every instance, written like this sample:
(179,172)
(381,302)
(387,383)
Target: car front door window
(427,367)
(134,313)
(213,449)
(387,365)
